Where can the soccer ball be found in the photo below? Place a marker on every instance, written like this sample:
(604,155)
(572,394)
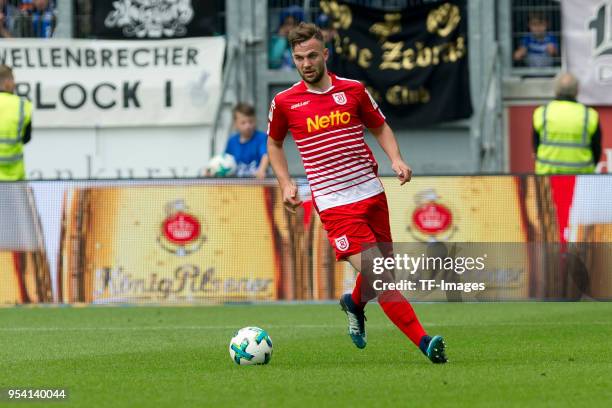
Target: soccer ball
(222,165)
(251,345)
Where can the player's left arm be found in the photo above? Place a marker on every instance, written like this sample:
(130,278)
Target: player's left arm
(372,117)
(386,139)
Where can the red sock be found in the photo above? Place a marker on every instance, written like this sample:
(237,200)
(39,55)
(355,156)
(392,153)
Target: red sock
(400,312)
(360,296)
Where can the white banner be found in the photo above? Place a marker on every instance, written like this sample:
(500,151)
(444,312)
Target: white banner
(88,84)
(587,35)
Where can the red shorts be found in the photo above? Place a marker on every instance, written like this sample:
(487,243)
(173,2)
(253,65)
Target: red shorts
(350,226)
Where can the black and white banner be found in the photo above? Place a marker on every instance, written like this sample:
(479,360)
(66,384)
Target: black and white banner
(414,61)
(135,19)
(587,35)
(81,83)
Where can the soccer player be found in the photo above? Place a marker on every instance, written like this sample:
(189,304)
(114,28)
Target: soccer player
(326,115)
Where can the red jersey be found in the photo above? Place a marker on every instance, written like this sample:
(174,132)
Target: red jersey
(328,129)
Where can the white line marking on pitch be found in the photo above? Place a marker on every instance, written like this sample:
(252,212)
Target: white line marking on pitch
(285,326)
(297,326)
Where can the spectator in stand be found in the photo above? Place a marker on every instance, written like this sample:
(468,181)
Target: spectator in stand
(26,5)
(329,33)
(539,47)
(248,145)
(280,52)
(8,16)
(39,19)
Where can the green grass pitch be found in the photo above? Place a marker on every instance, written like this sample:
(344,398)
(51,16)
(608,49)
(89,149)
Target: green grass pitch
(501,354)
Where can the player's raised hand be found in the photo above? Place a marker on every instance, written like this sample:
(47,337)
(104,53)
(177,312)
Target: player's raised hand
(403,171)
(290,197)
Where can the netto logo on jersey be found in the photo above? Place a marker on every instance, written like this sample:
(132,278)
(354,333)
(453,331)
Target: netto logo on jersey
(323,122)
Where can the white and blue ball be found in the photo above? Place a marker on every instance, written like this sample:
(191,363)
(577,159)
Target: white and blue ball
(250,346)
(222,165)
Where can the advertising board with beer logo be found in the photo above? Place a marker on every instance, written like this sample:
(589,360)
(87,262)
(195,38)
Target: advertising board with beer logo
(453,211)
(167,244)
(206,241)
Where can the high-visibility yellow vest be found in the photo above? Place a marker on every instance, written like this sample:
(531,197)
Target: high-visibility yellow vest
(566,129)
(15,115)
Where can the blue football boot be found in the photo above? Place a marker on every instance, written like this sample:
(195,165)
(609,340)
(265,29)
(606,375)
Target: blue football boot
(433,348)
(356,320)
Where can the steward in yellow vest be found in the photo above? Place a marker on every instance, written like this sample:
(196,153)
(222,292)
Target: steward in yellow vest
(15,127)
(566,134)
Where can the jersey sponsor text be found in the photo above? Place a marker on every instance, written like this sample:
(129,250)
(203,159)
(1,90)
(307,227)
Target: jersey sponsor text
(333,119)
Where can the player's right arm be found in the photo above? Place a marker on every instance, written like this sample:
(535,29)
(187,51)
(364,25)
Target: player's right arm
(277,130)
(278,160)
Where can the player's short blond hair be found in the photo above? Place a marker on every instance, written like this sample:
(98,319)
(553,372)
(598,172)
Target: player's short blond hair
(304,32)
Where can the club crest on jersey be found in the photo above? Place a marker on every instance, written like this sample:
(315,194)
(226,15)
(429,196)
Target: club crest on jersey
(342,243)
(340,98)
